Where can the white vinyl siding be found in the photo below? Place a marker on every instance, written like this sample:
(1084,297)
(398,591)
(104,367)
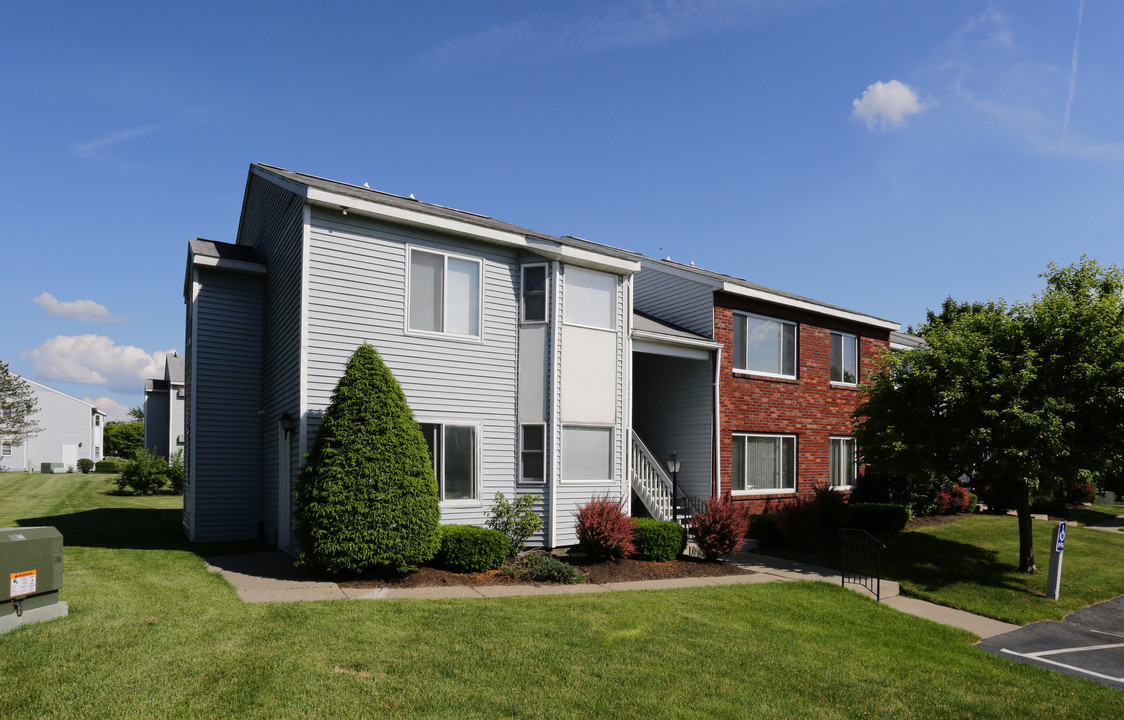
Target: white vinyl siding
(587,453)
(764,345)
(843,462)
(444,293)
(590,298)
(763,463)
(844,358)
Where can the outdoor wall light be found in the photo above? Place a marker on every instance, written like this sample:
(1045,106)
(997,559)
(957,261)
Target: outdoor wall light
(288,422)
(673,465)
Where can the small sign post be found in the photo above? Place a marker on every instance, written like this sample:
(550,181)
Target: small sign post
(1054,579)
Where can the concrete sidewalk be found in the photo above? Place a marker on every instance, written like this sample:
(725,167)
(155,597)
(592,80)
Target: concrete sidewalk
(271,577)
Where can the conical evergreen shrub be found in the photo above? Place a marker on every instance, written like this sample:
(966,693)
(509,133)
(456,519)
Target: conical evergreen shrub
(367,498)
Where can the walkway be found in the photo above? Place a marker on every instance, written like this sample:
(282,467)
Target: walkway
(270,577)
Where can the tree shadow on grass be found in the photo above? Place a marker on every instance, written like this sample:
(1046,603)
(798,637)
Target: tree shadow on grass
(132,528)
(932,563)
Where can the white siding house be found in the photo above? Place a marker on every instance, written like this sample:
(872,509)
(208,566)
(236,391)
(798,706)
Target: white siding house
(71,430)
(163,409)
(513,348)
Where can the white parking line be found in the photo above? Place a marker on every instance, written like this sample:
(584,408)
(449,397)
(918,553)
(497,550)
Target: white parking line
(1040,657)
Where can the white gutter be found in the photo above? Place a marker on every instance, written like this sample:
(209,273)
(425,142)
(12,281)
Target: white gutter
(736,289)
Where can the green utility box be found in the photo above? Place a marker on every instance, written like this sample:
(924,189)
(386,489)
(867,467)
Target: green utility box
(30,570)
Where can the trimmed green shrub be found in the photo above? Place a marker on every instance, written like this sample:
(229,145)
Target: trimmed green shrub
(123,439)
(175,473)
(85,465)
(145,474)
(812,517)
(763,528)
(110,465)
(517,520)
(604,531)
(973,502)
(367,498)
(465,548)
(720,527)
(876,517)
(658,540)
(542,566)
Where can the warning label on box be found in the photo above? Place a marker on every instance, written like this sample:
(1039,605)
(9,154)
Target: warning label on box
(22,583)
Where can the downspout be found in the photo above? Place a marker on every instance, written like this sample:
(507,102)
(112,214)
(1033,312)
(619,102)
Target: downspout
(715,480)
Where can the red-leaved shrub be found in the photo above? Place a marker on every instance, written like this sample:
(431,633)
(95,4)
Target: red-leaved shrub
(952,499)
(604,531)
(1077,494)
(720,527)
(812,517)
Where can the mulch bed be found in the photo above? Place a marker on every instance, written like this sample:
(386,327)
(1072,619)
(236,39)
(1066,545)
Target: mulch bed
(598,572)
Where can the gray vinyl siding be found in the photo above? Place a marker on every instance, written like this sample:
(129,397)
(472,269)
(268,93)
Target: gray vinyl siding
(357,293)
(673,411)
(176,424)
(156,422)
(273,223)
(226,362)
(683,302)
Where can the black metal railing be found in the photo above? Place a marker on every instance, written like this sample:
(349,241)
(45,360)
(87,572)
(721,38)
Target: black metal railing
(689,506)
(862,560)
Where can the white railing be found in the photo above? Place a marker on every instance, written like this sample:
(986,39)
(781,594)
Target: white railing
(650,481)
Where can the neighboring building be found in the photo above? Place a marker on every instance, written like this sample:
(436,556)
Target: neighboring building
(513,348)
(782,396)
(905,341)
(163,409)
(71,429)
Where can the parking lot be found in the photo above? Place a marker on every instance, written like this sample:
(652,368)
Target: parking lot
(1089,644)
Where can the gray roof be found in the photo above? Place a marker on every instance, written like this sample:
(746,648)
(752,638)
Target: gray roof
(405,203)
(906,341)
(155,385)
(224,251)
(174,368)
(647,323)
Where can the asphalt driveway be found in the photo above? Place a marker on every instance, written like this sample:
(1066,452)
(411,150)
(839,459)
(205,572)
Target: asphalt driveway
(1088,643)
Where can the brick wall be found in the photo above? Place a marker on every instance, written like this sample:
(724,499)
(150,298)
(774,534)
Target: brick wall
(809,407)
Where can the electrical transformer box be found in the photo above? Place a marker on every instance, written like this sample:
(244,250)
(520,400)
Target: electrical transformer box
(30,568)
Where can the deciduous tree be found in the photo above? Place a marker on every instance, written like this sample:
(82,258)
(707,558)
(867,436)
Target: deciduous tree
(18,407)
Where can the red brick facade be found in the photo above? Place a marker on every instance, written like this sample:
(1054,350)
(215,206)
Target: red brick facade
(809,407)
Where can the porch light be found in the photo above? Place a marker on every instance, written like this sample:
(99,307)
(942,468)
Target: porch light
(673,465)
(288,422)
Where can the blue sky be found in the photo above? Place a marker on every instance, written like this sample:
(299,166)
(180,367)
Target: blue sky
(875,155)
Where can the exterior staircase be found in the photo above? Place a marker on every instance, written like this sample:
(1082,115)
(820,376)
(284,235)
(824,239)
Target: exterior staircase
(652,485)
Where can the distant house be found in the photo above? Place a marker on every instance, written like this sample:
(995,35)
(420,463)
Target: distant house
(71,430)
(905,341)
(513,348)
(163,409)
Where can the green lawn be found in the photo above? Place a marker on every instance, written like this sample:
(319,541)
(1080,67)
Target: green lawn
(151,634)
(972,564)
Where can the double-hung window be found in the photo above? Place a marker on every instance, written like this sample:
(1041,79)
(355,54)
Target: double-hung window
(444,293)
(5,448)
(763,463)
(844,358)
(532,453)
(533,303)
(842,462)
(452,449)
(587,453)
(764,345)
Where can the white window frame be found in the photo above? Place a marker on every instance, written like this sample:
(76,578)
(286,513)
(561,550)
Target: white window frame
(842,441)
(479,337)
(439,471)
(612,454)
(523,294)
(522,451)
(795,346)
(842,356)
(6,448)
(769,491)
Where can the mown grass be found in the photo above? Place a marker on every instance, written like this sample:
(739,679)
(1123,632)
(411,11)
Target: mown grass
(152,634)
(972,564)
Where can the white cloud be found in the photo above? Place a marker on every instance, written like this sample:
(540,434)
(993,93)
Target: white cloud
(114,410)
(85,310)
(97,360)
(888,104)
(92,148)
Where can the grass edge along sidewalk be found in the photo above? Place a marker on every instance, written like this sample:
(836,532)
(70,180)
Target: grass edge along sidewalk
(153,634)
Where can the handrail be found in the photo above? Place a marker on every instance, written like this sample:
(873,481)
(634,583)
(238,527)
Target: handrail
(862,560)
(652,484)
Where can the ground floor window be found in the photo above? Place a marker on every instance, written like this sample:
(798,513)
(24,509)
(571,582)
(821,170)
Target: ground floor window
(5,448)
(587,453)
(763,463)
(532,453)
(842,461)
(452,449)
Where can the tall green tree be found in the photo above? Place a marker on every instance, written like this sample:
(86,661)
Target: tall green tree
(17,408)
(137,413)
(1026,398)
(367,498)
(123,439)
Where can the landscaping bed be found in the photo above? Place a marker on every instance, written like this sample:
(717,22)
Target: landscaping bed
(609,571)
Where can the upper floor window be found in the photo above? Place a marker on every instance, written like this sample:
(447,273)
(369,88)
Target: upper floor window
(444,293)
(842,462)
(590,298)
(533,305)
(764,345)
(97,420)
(844,358)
